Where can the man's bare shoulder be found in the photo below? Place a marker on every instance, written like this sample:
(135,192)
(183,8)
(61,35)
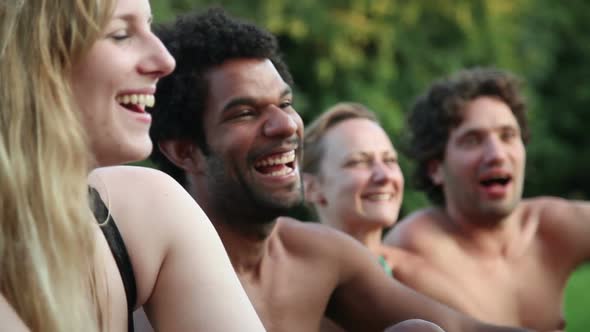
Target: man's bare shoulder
(312,238)
(556,216)
(562,226)
(334,257)
(291,228)
(417,229)
(543,202)
(550,212)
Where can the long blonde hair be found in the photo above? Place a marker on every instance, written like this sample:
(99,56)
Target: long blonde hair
(47,237)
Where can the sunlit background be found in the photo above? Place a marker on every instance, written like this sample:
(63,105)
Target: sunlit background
(383,53)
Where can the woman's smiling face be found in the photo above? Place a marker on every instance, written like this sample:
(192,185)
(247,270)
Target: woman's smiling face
(359,179)
(116,80)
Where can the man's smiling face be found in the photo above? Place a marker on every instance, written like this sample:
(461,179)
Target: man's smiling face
(253,134)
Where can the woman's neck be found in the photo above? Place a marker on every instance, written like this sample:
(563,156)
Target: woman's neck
(370,237)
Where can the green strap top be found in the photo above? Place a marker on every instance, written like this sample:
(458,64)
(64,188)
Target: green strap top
(385,266)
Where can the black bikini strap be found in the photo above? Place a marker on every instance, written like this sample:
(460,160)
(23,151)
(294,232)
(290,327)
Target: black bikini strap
(119,251)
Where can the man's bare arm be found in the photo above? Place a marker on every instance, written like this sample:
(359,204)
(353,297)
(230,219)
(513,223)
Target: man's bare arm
(568,223)
(368,300)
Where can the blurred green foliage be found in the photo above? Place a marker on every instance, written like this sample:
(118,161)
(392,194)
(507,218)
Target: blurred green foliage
(383,53)
(577,301)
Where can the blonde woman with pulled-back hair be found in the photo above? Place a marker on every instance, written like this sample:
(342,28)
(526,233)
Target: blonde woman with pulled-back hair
(83,242)
(353,181)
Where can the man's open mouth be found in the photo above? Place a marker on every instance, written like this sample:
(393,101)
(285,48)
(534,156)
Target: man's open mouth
(278,164)
(496,181)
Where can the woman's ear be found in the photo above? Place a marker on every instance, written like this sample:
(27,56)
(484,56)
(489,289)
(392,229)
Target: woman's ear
(435,172)
(183,154)
(312,189)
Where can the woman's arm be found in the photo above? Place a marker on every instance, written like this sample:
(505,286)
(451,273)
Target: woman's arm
(184,277)
(9,319)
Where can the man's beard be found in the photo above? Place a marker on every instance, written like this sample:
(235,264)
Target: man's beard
(240,202)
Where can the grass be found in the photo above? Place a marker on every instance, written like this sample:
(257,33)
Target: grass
(577,301)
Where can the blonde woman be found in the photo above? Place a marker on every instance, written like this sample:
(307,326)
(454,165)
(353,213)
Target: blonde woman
(77,76)
(353,180)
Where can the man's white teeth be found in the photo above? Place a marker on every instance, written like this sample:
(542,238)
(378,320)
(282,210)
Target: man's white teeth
(145,100)
(282,172)
(284,158)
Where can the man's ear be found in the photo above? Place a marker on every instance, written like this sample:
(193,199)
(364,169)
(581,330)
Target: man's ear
(312,189)
(435,172)
(183,154)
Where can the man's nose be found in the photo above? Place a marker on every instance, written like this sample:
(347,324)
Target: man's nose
(280,123)
(495,150)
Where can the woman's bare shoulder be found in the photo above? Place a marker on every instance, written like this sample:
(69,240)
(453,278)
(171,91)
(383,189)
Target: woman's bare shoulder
(9,318)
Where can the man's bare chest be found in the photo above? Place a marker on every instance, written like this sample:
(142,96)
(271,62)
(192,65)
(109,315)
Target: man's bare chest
(289,299)
(525,292)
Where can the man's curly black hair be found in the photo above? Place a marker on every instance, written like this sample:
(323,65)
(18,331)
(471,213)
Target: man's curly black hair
(200,42)
(440,109)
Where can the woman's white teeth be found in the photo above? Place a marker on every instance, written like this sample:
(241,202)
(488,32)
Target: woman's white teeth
(379,197)
(284,158)
(146,100)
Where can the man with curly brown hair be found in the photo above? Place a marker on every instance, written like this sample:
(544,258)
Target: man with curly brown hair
(481,248)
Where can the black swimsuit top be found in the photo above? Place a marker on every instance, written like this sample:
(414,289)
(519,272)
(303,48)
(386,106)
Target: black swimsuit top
(119,251)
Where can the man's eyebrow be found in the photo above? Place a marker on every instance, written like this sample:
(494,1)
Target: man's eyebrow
(251,101)
(477,130)
(239,101)
(509,127)
(469,131)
